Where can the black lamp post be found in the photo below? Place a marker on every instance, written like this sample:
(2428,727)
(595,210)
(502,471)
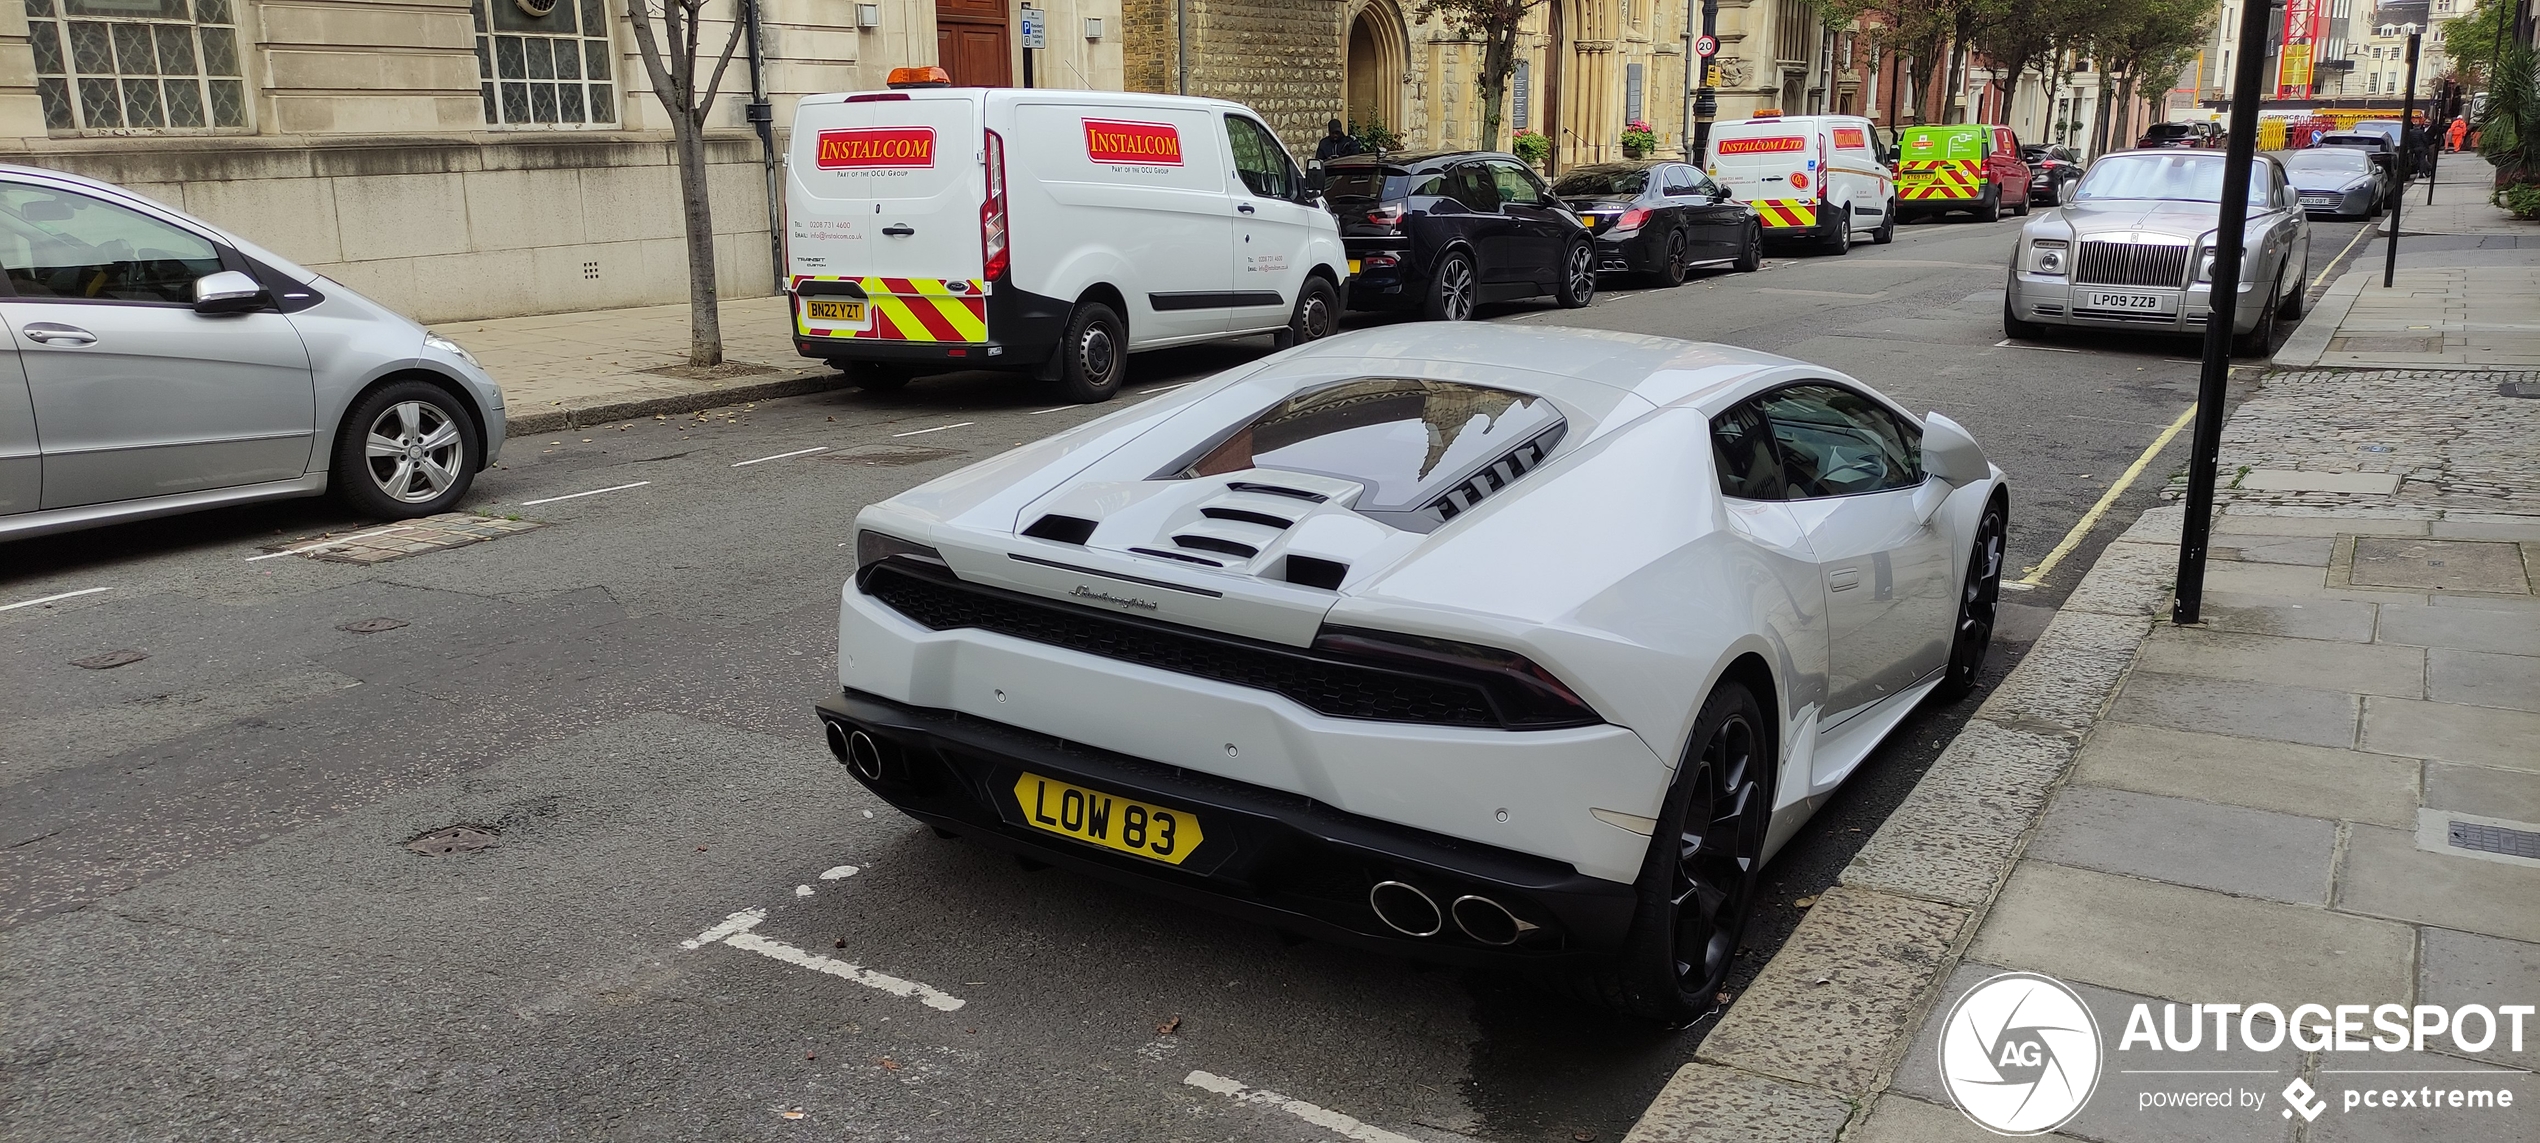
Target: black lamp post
(2407,158)
(1706,98)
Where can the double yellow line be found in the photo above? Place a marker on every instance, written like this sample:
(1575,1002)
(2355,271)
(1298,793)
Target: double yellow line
(2090,519)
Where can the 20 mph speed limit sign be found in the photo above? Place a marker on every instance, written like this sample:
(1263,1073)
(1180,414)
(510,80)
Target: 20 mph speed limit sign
(1706,46)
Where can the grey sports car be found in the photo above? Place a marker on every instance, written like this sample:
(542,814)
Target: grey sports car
(2135,251)
(2337,182)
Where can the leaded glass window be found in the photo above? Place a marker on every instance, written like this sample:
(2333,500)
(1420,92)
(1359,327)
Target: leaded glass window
(110,65)
(544,63)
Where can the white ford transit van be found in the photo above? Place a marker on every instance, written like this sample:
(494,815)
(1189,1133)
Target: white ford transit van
(931,228)
(1814,177)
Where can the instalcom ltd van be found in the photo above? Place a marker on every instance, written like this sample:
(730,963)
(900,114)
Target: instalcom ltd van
(1815,177)
(932,228)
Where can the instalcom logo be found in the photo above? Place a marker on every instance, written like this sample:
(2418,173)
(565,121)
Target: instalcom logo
(2020,1054)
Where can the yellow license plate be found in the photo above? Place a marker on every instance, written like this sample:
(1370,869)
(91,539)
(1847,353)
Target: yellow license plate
(1353,265)
(851,312)
(1107,820)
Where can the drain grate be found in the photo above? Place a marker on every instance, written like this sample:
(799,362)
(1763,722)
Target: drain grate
(454,840)
(2495,839)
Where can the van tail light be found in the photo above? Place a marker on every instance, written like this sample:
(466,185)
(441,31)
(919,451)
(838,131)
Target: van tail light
(1387,214)
(993,250)
(1631,219)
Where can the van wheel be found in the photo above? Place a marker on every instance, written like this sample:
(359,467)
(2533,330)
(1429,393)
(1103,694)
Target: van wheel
(1317,316)
(1990,209)
(1094,355)
(1578,277)
(1451,289)
(2021,210)
(1840,242)
(1886,232)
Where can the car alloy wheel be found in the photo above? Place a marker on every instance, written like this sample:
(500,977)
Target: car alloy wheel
(1978,602)
(1750,256)
(414,452)
(1578,278)
(1719,850)
(1672,271)
(1451,297)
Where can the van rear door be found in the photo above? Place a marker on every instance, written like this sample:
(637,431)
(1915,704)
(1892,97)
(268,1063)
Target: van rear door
(882,203)
(1756,160)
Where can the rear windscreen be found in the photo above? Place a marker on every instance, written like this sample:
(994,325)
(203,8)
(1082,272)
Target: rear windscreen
(1361,182)
(1594,182)
(1410,442)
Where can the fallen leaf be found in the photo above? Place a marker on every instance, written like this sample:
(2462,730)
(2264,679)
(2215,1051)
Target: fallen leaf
(1720,998)
(890,1064)
(1169,1027)
(792,1113)
(1804,902)
(1583,1137)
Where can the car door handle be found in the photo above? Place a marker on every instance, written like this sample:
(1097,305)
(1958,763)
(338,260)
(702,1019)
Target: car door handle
(55,333)
(1246,208)
(1843,579)
(899,230)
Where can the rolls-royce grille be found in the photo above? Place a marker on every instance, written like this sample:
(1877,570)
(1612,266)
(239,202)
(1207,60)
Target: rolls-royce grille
(2131,264)
(1321,683)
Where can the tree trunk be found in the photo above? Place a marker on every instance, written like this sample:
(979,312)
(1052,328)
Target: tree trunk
(1950,111)
(1499,57)
(705,316)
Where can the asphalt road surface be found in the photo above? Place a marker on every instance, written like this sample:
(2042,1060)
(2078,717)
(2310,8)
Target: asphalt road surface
(211,925)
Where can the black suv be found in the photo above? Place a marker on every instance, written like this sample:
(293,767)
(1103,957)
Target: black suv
(1446,231)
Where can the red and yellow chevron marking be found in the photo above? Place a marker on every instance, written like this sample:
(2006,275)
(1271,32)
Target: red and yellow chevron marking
(1778,213)
(1922,179)
(913,309)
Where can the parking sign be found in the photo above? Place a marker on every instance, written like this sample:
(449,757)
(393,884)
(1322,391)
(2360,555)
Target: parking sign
(1035,30)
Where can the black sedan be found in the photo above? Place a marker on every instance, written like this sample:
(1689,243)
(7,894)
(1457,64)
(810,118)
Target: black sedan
(1444,232)
(1662,219)
(2052,173)
(2337,182)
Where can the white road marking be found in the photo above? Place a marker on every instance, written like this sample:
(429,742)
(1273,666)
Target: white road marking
(339,541)
(735,931)
(783,455)
(837,873)
(580,495)
(936,429)
(1038,412)
(1333,1121)
(2007,343)
(54,598)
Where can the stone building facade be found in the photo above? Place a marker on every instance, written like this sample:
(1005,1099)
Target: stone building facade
(468,158)
(1584,69)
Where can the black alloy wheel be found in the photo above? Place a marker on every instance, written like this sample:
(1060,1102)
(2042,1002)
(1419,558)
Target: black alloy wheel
(1094,355)
(1886,232)
(1578,276)
(1672,271)
(1451,289)
(1978,601)
(1750,254)
(1706,857)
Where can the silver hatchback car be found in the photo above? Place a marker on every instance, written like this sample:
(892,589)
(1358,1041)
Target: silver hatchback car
(154,363)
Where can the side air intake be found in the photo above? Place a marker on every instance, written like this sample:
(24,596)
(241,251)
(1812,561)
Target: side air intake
(1061,529)
(1308,571)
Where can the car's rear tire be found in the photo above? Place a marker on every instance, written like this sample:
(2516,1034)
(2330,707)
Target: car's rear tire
(1671,271)
(1578,276)
(2022,209)
(1706,857)
(1317,316)
(1886,232)
(2260,340)
(1094,353)
(1989,208)
(1452,289)
(1750,255)
(406,449)
(1838,241)
(1978,600)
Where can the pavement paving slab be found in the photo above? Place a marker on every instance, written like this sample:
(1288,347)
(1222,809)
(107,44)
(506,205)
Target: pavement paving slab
(2385,873)
(2341,620)
(2374,669)
(2481,790)
(2286,777)
(2273,711)
(2452,732)
(2474,968)
(2474,625)
(2479,678)
(2183,841)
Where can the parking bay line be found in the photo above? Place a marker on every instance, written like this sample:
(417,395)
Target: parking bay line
(580,495)
(2072,539)
(54,598)
(783,455)
(936,429)
(735,931)
(1333,1121)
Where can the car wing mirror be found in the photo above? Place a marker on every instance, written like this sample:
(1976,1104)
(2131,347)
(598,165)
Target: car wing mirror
(1950,454)
(228,292)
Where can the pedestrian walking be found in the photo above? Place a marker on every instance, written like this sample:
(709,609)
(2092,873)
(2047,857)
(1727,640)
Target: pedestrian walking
(2458,131)
(1336,143)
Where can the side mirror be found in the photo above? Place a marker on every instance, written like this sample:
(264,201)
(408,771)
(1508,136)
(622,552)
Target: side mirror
(1950,454)
(228,292)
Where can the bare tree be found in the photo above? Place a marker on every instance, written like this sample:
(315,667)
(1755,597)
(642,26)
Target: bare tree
(674,77)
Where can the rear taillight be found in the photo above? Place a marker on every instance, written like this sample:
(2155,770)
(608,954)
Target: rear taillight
(1631,219)
(993,251)
(1522,694)
(1386,214)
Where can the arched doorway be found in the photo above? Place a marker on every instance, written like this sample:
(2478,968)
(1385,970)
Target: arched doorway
(1376,54)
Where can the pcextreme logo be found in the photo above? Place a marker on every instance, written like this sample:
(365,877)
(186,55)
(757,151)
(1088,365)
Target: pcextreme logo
(2020,1054)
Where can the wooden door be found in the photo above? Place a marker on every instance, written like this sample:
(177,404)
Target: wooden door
(971,42)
